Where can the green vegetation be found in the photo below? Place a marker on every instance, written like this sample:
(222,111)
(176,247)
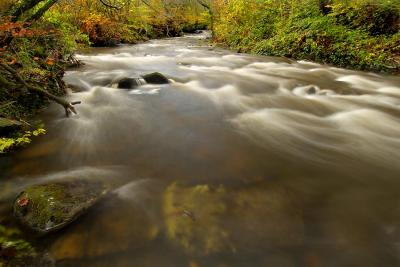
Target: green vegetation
(32,63)
(362,34)
(7,143)
(14,251)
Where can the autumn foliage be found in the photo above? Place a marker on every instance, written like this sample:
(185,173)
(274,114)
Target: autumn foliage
(133,21)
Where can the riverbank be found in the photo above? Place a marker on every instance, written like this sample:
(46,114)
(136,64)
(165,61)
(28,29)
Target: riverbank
(361,36)
(30,75)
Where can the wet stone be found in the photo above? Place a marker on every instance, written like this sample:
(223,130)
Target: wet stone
(155,78)
(130,83)
(46,208)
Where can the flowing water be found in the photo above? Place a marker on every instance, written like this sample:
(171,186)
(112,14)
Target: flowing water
(241,160)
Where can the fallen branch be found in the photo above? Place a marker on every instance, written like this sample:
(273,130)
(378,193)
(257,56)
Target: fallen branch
(72,61)
(6,104)
(68,106)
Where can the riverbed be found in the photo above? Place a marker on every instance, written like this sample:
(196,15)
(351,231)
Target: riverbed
(241,160)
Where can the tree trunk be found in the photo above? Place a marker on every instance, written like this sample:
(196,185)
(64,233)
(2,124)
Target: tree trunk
(210,11)
(38,14)
(26,5)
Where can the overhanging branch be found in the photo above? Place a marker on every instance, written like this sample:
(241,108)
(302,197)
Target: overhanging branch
(68,106)
(108,5)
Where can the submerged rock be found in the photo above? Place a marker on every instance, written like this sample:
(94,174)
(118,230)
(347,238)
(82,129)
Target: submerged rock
(117,226)
(48,207)
(204,220)
(155,78)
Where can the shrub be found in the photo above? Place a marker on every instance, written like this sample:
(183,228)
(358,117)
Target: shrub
(361,35)
(375,17)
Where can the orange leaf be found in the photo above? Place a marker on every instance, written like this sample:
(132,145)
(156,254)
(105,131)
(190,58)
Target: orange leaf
(22,202)
(12,62)
(50,62)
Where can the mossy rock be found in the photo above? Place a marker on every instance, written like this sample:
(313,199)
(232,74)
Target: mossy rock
(8,126)
(48,207)
(203,220)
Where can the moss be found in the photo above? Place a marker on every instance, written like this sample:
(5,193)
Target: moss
(42,204)
(186,208)
(14,250)
(49,207)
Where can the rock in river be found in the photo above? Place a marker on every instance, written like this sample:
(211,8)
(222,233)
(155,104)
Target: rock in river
(155,78)
(130,83)
(152,78)
(48,207)
(204,220)
(126,221)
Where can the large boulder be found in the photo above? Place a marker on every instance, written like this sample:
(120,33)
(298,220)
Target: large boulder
(203,220)
(155,78)
(48,207)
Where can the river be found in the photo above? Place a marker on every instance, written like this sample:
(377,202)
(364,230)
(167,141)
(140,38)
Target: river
(241,160)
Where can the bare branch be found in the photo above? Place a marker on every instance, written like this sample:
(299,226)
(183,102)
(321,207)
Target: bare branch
(68,106)
(108,5)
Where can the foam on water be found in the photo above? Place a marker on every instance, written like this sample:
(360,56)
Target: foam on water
(300,109)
